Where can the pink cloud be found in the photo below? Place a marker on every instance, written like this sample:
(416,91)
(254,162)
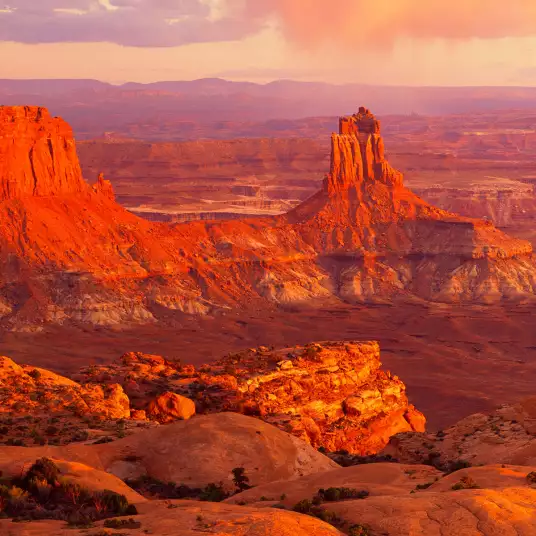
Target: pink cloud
(353,23)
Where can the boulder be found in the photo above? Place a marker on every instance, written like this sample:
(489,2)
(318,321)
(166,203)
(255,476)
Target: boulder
(170,407)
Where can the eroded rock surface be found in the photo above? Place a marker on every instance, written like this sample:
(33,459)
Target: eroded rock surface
(186,518)
(196,452)
(332,395)
(507,435)
(363,237)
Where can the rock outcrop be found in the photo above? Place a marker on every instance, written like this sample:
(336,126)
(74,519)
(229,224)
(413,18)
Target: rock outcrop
(506,436)
(69,252)
(28,390)
(37,155)
(331,395)
(39,407)
(170,407)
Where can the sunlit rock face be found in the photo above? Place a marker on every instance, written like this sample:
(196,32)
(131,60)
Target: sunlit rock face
(69,252)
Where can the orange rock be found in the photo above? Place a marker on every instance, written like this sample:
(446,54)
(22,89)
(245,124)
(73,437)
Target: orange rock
(508,435)
(332,395)
(71,253)
(190,518)
(104,187)
(171,407)
(138,415)
(37,154)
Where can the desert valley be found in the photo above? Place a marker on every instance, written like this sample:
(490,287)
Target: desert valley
(283,307)
(240,309)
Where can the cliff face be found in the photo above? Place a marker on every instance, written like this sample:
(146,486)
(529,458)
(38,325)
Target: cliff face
(70,252)
(37,155)
(331,395)
(364,208)
(358,155)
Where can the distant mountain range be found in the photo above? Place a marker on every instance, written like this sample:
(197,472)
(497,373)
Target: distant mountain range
(164,108)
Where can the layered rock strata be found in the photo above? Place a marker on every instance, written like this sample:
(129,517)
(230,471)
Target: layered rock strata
(70,253)
(331,395)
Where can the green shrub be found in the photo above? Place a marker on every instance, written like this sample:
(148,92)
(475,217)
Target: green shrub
(358,530)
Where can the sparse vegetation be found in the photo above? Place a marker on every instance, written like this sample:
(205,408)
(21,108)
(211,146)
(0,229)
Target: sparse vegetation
(156,489)
(339,494)
(240,479)
(122,524)
(465,483)
(345,459)
(426,485)
(358,530)
(313,508)
(43,493)
(35,374)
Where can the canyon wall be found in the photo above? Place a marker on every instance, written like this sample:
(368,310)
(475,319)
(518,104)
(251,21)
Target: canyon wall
(37,155)
(70,252)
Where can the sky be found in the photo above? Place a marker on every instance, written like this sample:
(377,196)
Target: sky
(394,42)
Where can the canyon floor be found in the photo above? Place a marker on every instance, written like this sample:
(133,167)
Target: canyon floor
(455,360)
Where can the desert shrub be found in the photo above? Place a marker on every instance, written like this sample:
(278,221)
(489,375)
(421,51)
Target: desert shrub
(35,374)
(457,465)
(311,352)
(156,489)
(43,469)
(450,466)
(122,524)
(240,480)
(213,493)
(358,530)
(309,508)
(43,493)
(340,494)
(313,508)
(345,459)
(465,483)
(102,440)
(531,477)
(424,486)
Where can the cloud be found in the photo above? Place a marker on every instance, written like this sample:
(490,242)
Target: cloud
(350,24)
(142,23)
(378,23)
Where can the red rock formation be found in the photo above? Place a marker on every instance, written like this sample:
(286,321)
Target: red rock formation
(333,395)
(69,252)
(508,435)
(59,409)
(37,154)
(170,407)
(104,187)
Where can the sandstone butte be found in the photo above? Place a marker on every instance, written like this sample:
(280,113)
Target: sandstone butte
(69,252)
(330,395)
